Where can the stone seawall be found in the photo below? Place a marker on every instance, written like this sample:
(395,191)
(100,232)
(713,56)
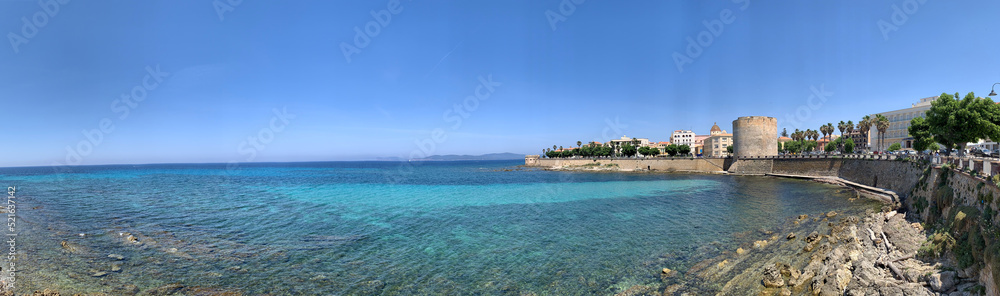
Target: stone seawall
(817,167)
(653,164)
(962,213)
(897,176)
(752,166)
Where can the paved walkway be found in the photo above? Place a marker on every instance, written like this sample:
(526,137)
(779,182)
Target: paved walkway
(892,195)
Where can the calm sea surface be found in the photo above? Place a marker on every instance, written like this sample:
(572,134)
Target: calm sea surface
(385,228)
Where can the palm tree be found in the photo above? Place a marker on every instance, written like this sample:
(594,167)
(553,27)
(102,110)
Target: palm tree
(882,124)
(553,147)
(578,143)
(865,126)
(842,127)
(849,129)
(827,130)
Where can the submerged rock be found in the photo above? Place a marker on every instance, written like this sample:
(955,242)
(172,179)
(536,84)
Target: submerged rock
(164,290)
(790,236)
(760,244)
(812,237)
(126,290)
(667,273)
(637,290)
(772,277)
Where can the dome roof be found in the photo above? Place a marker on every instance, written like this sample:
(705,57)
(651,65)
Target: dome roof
(715,128)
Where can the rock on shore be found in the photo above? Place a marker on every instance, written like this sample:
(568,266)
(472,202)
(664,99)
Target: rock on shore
(873,256)
(842,255)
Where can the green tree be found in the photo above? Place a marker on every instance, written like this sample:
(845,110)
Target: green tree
(955,123)
(920,130)
(578,143)
(628,150)
(729,149)
(895,146)
(830,147)
(849,146)
(644,151)
(810,145)
(933,147)
(784,132)
(684,149)
(671,149)
(654,151)
(793,147)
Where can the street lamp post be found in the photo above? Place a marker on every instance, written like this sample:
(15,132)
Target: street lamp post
(992,92)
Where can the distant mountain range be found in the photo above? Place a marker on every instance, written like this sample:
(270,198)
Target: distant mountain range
(452,157)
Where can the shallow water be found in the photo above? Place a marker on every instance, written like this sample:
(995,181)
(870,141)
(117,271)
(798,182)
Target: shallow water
(387,228)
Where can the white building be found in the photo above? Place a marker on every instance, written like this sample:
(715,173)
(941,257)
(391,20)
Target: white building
(899,124)
(682,137)
(637,142)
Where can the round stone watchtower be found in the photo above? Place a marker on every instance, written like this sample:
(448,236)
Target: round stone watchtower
(755,136)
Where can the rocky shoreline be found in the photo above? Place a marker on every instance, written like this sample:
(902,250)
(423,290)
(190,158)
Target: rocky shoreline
(871,254)
(875,253)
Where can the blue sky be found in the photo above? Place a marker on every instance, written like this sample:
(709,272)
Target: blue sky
(607,69)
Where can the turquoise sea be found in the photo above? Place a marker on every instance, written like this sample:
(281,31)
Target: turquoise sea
(385,228)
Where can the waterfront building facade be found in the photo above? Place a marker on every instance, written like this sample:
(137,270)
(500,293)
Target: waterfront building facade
(637,142)
(860,140)
(682,137)
(717,145)
(899,123)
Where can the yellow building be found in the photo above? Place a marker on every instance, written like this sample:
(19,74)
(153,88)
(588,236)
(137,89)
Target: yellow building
(717,144)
